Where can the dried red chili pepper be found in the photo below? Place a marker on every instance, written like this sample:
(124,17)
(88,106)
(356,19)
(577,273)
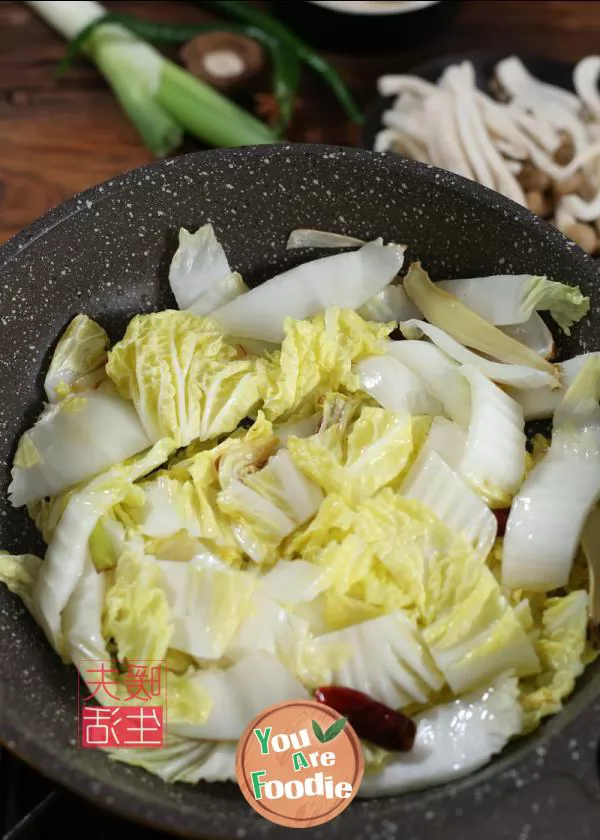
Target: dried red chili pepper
(371,720)
(501,518)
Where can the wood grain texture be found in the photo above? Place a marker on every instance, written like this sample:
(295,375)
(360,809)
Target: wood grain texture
(57,138)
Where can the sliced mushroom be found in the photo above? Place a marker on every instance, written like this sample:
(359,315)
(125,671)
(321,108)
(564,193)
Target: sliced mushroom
(582,234)
(531,178)
(516,79)
(585,211)
(223,59)
(392,85)
(538,203)
(585,80)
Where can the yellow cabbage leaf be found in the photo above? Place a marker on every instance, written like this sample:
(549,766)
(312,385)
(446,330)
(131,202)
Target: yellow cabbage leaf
(563,654)
(316,356)
(184,379)
(355,465)
(136,610)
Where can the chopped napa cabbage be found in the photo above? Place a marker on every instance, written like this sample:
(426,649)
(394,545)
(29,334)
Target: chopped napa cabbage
(72,441)
(338,611)
(517,375)
(470,628)
(137,613)
(211,471)
(440,373)
(390,304)
(200,277)
(185,381)
(311,659)
(266,506)
(169,506)
(197,265)
(388,661)
(220,764)
(240,456)
(535,334)
(448,440)
(78,360)
(280,624)
(395,387)
(19,573)
(448,313)
(310,288)
(452,741)
(101,545)
(292,582)
(590,546)
(222,292)
(541,403)
(432,482)
(85,642)
(179,662)
(184,760)
(316,357)
(86,646)
(310,238)
(355,464)
(375,554)
(183,497)
(561,649)
(494,456)
(548,514)
(289,634)
(207,602)
(263,629)
(514,298)
(179,760)
(254,346)
(238,694)
(300,428)
(68,549)
(188,702)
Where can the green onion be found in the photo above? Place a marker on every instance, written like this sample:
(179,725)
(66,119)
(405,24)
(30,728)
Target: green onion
(160,98)
(286,67)
(247,12)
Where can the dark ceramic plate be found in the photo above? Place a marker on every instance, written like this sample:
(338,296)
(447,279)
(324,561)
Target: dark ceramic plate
(354,31)
(550,70)
(106,252)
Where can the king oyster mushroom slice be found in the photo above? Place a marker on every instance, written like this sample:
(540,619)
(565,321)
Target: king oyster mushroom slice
(585,81)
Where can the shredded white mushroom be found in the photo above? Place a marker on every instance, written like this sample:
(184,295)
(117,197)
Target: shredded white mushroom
(539,128)
(585,80)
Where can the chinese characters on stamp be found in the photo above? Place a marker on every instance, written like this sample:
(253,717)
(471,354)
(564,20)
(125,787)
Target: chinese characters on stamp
(136,716)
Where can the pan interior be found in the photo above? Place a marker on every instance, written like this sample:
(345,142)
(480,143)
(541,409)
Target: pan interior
(106,253)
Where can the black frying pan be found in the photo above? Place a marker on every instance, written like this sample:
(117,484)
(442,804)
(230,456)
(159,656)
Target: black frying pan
(124,233)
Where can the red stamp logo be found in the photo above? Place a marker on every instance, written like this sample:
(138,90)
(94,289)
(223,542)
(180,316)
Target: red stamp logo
(122,726)
(122,708)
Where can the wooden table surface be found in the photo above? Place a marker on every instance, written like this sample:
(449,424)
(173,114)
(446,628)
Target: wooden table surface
(57,138)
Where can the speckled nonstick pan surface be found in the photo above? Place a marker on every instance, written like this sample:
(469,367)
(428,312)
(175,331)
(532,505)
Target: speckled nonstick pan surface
(106,253)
